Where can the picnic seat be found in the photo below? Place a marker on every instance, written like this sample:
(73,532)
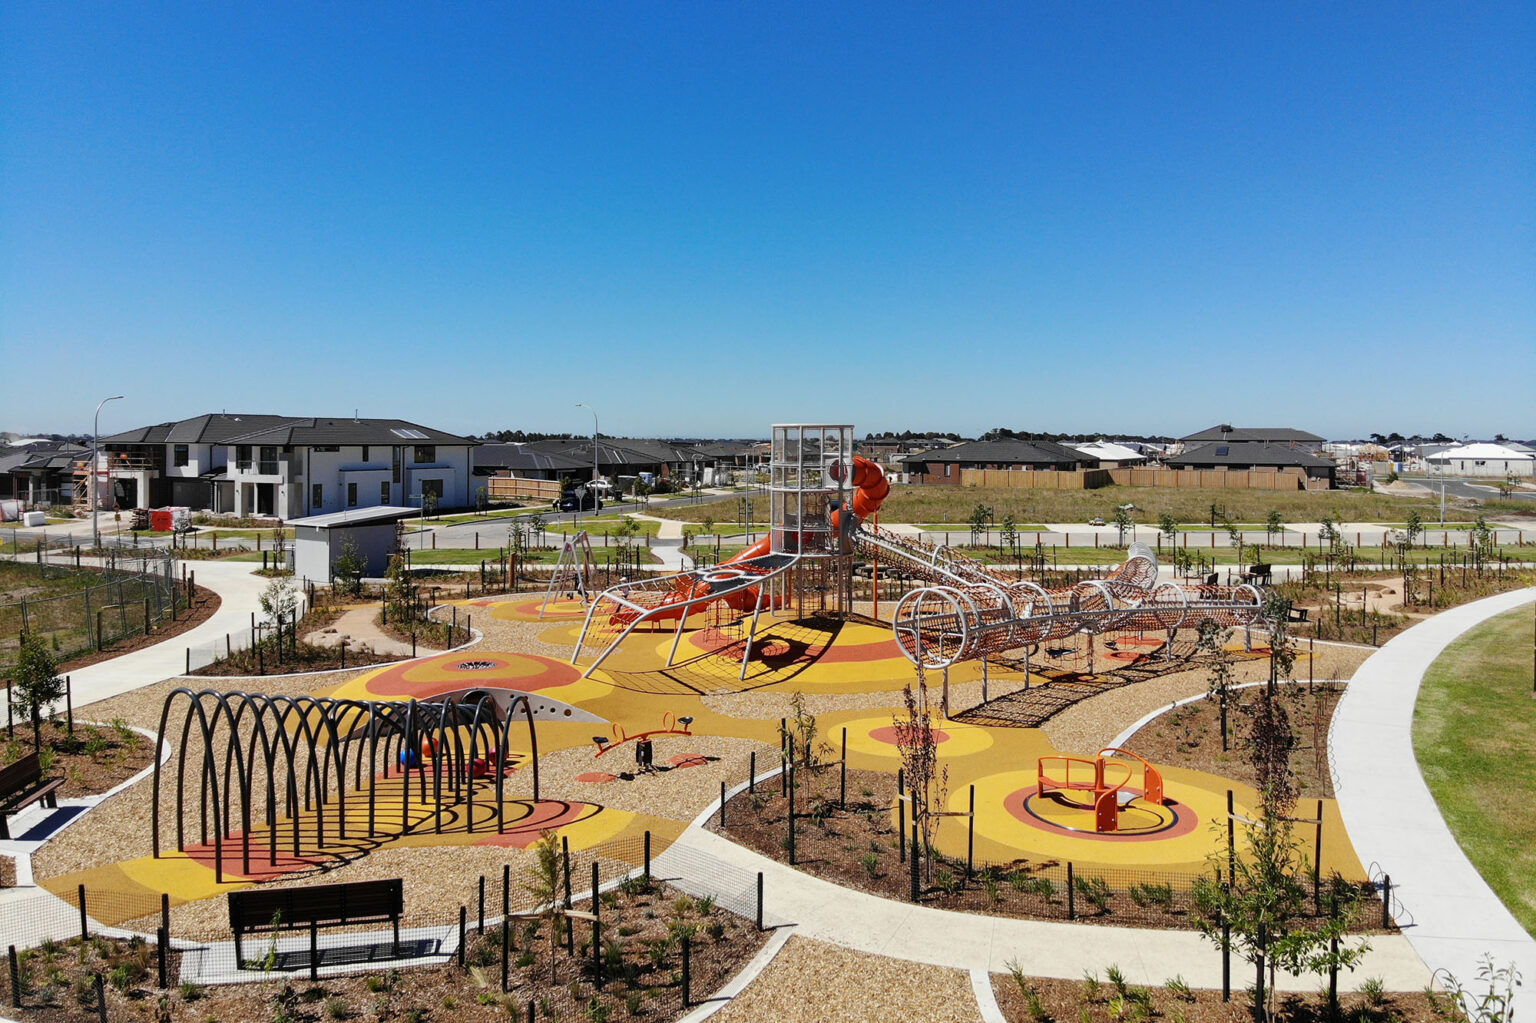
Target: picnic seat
(21,785)
(316,906)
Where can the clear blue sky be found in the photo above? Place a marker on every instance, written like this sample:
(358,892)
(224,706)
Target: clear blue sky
(704,218)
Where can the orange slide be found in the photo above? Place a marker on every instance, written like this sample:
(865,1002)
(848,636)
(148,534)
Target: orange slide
(870,491)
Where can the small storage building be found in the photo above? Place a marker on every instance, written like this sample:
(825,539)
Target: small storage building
(318,540)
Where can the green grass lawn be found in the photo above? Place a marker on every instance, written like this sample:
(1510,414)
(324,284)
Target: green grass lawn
(595,528)
(1474,732)
(940,504)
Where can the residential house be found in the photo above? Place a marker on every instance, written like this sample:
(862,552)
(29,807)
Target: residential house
(943,466)
(285,466)
(1111,455)
(39,472)
(1254,455)
(1496,460)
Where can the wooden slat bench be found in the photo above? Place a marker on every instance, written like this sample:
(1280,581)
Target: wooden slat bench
(316,906)
(21,785)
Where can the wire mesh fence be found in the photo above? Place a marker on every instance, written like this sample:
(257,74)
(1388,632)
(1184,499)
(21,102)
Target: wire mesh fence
(75,610)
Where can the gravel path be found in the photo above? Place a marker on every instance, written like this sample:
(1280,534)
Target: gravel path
(815,982)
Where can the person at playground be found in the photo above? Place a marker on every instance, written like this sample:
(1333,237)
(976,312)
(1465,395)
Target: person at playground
(644,755)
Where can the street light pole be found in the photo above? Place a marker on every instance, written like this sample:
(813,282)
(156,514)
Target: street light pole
(590,409)
(95,459)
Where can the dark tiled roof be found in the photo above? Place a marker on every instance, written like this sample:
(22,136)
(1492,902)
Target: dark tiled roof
(1002,452)
(219,428)
(1244,453)
(621,451)
(522,458)
(1270,434)
(48,454)
(312,431)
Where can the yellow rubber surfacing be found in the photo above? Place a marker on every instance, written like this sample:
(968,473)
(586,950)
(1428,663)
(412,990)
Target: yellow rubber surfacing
(635,690)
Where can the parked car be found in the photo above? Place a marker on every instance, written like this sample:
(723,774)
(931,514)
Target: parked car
(579,500)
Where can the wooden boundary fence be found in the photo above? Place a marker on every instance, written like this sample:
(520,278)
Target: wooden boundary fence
(517,487)
(1093,479)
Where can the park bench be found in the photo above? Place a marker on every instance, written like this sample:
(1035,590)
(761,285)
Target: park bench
(1298,614)
(1258,574)
(21,785)
(316,906)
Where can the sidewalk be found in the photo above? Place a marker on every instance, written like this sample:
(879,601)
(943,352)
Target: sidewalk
(1392,817)
(971,941)
(239,593)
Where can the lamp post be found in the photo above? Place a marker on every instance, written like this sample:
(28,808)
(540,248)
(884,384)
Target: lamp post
(590,409)
(95,459)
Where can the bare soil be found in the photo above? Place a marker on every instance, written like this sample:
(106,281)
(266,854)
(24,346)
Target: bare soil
(1085,1002)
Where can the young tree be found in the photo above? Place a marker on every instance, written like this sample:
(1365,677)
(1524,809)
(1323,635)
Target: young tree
(35,682)
(349,566)
(927,783)
(1273,524)
(1009,532)
(279,600)
(543,883)
(1168,527)
(979,516)
(400,592)
(1123,522)
(1413,527)
(1212,645)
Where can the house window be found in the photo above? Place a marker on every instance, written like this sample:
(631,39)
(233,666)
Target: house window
(946,468)
(351,495)
(425,453)
(316,496)
(179,454)
(268,466)
(365,452)
(432,487)
(332,448)
(384,492)
(394,475)
(242,458)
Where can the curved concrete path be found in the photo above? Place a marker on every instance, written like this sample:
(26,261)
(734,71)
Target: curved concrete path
(972,941)
(239,591)
(1392,818)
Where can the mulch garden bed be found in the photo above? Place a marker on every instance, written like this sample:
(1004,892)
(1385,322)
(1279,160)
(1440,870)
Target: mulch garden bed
(643,926)
(205,603)
(92,760)
(1098,1000)
(857,847)
(1190,735)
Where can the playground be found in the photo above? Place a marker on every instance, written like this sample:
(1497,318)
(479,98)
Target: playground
(672,687)
(754,701)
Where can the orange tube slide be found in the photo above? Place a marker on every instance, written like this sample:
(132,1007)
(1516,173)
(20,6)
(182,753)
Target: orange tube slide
(870,491)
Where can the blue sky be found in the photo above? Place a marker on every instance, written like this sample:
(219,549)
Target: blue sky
(704,218)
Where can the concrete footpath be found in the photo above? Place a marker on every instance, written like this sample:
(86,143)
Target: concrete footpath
(1454,917)
(971,941)
(239,591)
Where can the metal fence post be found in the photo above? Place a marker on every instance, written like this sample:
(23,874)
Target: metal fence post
(913,862)
(1071,893)
(759,900)
(480,925)
(647,855)
(463,930)
(16,977)
(85,930)
(1386,901)
(161,941)
(687,995)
